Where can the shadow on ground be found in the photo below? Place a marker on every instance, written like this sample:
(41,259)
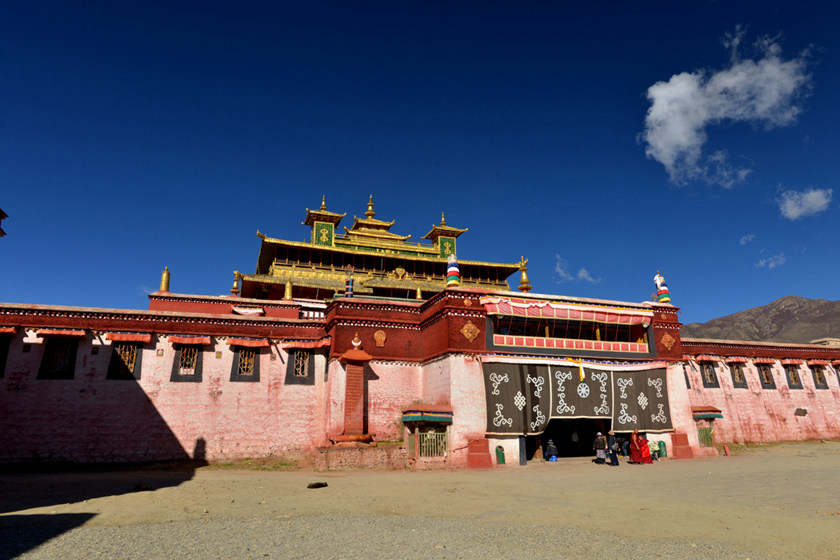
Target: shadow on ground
(20,533)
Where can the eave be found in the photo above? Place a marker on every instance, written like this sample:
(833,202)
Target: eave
(300,244)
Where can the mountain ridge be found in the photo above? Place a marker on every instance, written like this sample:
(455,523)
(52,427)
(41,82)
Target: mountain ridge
(787,319)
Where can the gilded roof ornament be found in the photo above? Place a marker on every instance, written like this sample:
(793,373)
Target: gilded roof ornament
(524,281)
(164,280)
(369,212)
(323,202)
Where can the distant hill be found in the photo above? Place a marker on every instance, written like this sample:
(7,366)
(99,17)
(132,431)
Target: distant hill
(788,319)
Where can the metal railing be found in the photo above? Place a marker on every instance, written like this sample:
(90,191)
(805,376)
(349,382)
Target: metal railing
(706,437)
(432,444)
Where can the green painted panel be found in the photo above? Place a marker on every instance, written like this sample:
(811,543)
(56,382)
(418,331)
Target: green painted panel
(447,246)
(323,234)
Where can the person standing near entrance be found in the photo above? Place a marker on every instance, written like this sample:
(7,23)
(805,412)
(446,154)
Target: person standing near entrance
(600,447)
(639,450)
(550,451)
(612,448)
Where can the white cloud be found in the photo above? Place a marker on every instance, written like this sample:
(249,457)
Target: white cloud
(746,238)
(561,269)
(795,204)
(771,262)
(584,275)
(764,91)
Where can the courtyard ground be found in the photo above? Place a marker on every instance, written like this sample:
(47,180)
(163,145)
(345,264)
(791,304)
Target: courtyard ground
(777,501)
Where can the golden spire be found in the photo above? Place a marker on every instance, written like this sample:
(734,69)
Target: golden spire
(442,219)
(524,282)
(323,202)
(234,291)
(370,213)
(164,280)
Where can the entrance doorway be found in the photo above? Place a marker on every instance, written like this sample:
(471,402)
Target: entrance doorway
(573,437)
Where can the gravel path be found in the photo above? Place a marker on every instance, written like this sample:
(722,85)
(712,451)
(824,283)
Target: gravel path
(781,502)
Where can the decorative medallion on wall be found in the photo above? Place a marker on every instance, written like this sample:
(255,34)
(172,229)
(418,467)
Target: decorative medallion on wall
(379,337)
(667,341)
(467,302)
(470,331)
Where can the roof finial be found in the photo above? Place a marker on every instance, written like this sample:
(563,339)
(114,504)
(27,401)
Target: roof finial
(323,202)
(442,219)
(370,213)
(164,280)
(524,281)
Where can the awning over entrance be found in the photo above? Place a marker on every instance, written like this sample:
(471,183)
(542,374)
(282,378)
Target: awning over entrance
(427,413)
(542,309)
(705,412)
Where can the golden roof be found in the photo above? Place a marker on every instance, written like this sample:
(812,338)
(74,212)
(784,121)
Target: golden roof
(443,229)
(322,215)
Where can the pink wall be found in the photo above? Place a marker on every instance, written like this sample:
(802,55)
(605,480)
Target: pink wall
(679,401)
(391,386)
(764,415)
(91,418)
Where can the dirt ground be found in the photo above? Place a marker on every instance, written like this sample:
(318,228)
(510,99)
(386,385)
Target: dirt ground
(778,501)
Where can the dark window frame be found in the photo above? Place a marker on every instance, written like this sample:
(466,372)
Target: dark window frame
(53,345)
(821,369)
(735,383)
(709,366)
(235,375)
(5,346)
(309,378)
(793,369)
(765,385)
(117,371)
(176,375)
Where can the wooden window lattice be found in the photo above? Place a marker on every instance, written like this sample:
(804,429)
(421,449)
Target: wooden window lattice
(738,373)
(189,357)
(766,375)
(793,376)
(301,364)
(247,360)
(127,354)
(819,376)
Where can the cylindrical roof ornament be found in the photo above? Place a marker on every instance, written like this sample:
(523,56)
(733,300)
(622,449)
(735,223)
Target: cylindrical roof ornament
(453,273)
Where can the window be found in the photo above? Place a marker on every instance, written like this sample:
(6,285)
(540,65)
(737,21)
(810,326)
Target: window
(187,360)
(709,375)
(687,382)
(5,342)
(301,364)
(59,359)
(739,381)
(567,329)
(792,373)
(766,377)
(246,364)
(125,361)
(187,363)
(300,368)
(820,381)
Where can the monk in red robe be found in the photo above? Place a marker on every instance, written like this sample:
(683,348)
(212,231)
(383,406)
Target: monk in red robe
(639,450)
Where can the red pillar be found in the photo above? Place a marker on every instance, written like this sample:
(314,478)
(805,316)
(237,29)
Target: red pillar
(355,360)
(354,399)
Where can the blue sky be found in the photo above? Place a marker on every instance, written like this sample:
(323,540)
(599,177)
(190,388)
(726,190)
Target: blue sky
(138,137)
